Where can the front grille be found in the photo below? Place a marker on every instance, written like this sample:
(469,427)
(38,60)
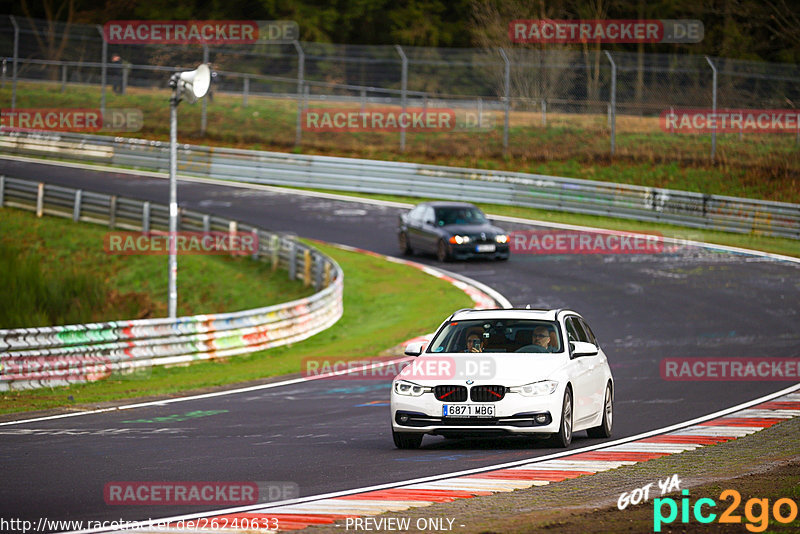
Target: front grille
(450,393)
(487,393)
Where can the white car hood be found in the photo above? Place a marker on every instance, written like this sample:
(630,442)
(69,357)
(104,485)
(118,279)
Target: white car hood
(506,369)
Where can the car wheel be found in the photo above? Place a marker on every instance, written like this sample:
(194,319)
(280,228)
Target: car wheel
(604,430)
(405,248)
(502,258)
(441,252)
(564,436)
(405,440)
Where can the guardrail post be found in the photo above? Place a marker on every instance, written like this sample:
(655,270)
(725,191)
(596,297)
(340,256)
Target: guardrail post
(204,112)
(612,106)
(363,100)
(275,250)
(256,244)
(245,90)
(480,112)
(14,66)
(76,207)
(103,72)
(403,92)
(507,91)
(206,223)
(2,189)
(146,217)
(306,267)
(40,200)
(112,212)
(317,272)
(233,226)
(63,77)
(292,260)
(301,63)
(713,109)
(327,274)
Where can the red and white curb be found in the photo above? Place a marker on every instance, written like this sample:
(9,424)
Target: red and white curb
(724,426)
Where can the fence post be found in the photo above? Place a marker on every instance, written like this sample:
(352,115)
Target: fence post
(63,77)
(480,113)
(507,90)
(327,274)
(544,112)
(245,90)
(76,208)
(612,107)
(2,189)
(317,272)
(204,112)
(301,65)
(206,223)
(16,60)
(403,92)
(146,217)
(103,72)
(713,110)
(363,100)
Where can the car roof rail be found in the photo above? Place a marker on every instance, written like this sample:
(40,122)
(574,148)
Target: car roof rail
(459,311)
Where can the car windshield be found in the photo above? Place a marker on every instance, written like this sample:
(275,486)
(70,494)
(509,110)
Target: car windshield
(498,335)
(459,215)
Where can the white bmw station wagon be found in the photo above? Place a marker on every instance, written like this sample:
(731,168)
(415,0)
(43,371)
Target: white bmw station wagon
(505,372)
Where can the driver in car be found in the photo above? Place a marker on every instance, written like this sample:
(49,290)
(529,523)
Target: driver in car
(541,341)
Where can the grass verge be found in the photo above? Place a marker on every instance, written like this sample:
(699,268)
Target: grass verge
(379,312)
(56,271)
(765,166)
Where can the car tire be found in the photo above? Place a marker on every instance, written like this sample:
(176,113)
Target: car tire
(405,440)
(563,438)
(502,258)
(442,254)
(604,430)
(405,248)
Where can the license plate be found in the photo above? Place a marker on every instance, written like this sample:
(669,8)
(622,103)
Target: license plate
(468,410)
(484,248)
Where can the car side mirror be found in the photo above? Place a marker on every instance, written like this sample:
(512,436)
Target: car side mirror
(578,349)
(429,222)
(415,349)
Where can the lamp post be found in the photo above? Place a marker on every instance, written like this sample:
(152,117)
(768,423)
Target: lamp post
(190,85)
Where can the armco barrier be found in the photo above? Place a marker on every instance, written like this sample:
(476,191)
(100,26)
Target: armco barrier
(409,179)
(57,355)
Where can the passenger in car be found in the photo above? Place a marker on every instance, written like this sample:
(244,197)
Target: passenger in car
(475,340)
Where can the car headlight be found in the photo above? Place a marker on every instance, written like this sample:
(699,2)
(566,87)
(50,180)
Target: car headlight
(459,239)
(501,238)
(401,387)
(545,387)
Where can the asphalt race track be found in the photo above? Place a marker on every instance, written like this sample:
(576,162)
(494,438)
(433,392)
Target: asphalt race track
(329,435)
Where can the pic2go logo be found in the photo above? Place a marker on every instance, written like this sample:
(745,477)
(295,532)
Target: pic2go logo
(756,511)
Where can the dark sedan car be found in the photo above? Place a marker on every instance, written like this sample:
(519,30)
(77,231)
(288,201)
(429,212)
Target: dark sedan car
(451,230)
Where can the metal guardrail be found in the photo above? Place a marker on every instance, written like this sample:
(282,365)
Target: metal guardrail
(58,355)
(696,210)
